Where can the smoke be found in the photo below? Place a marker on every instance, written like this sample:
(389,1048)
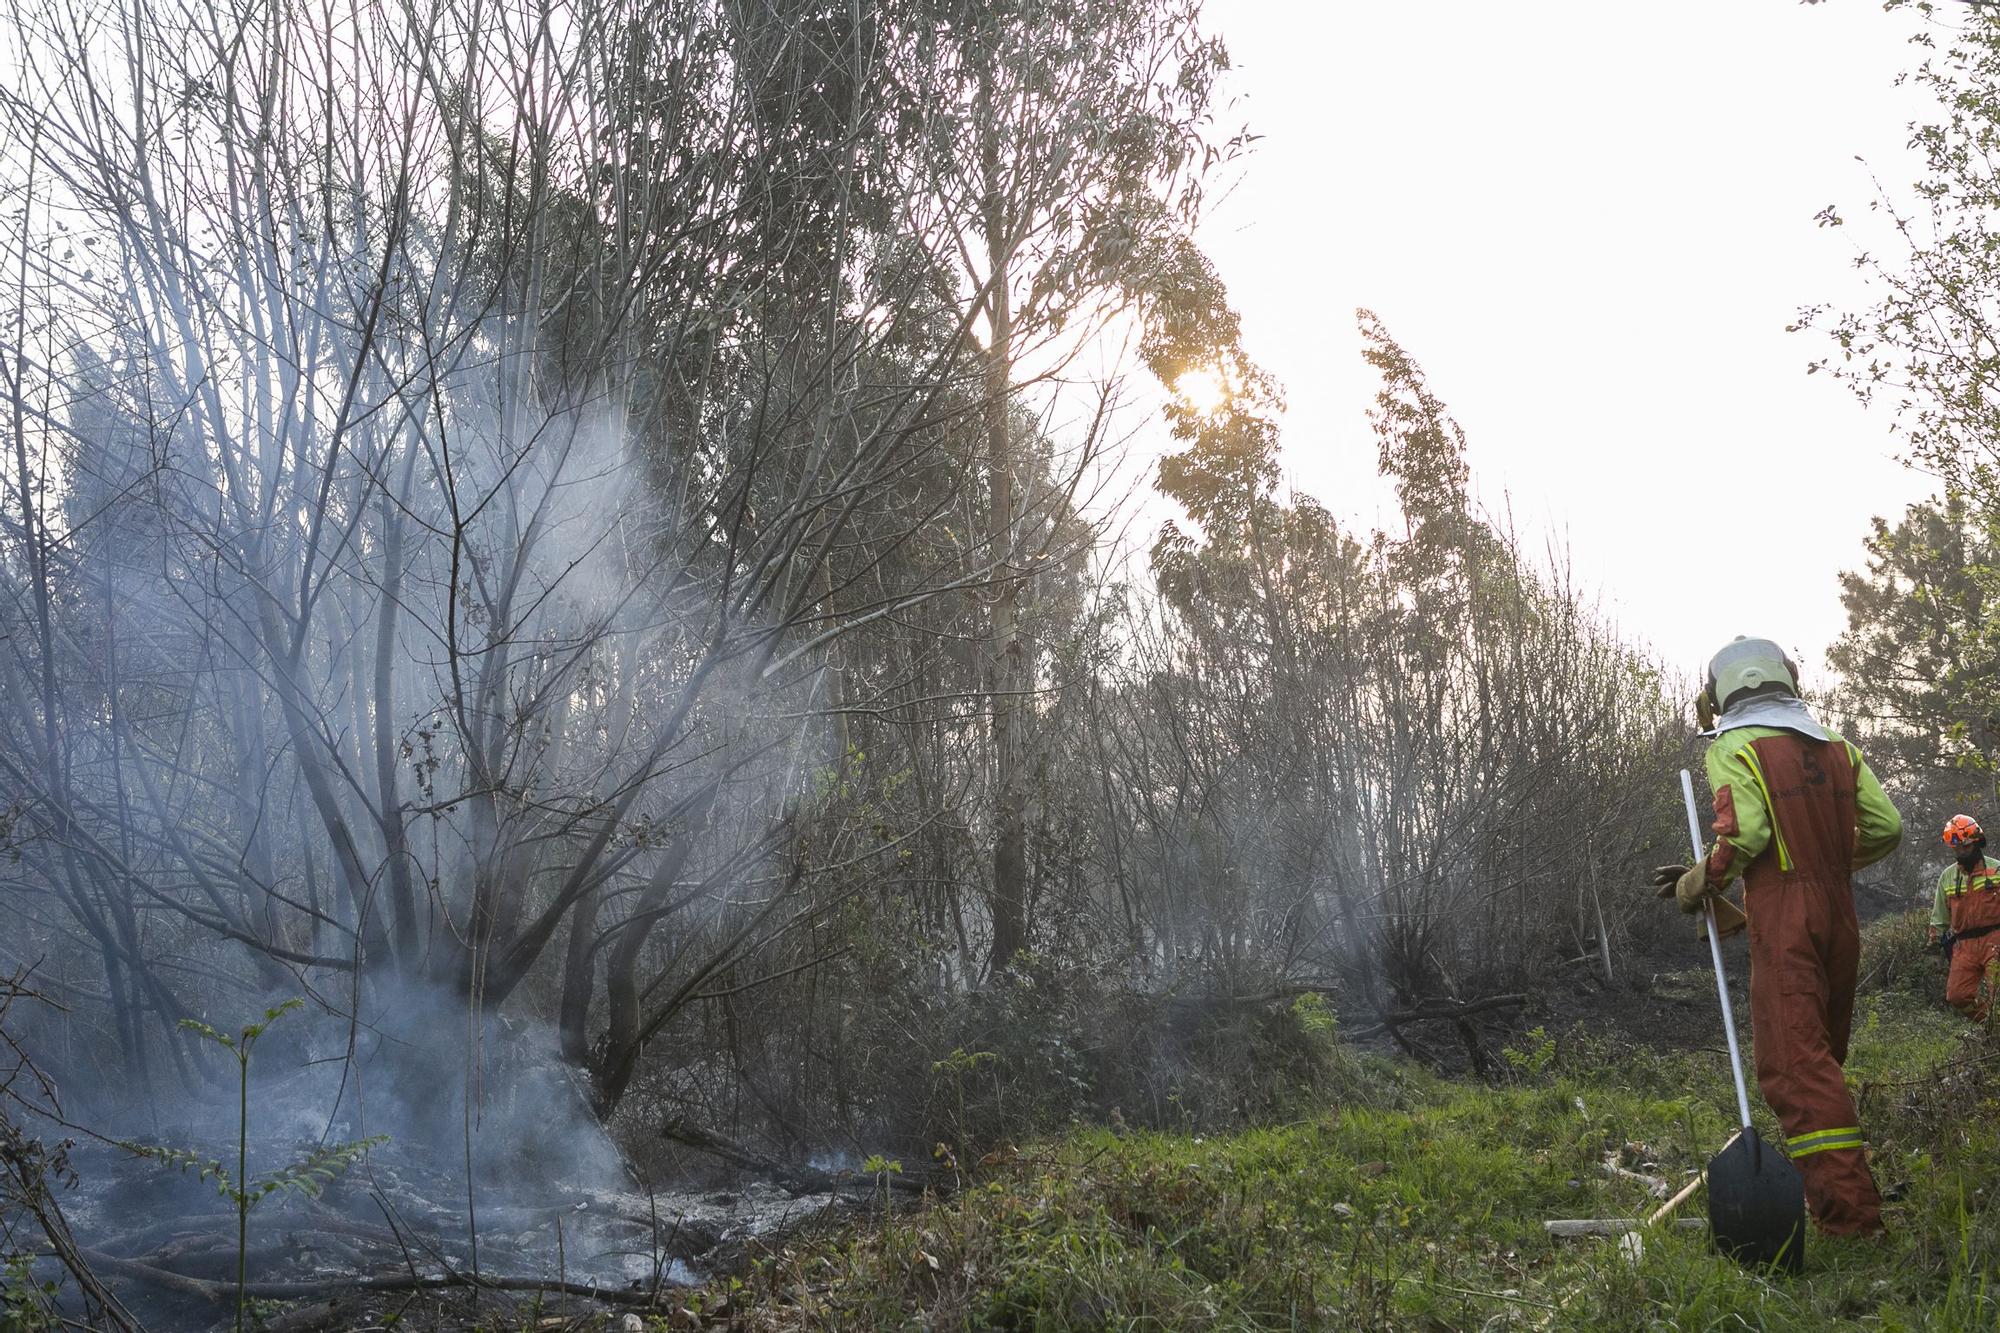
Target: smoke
(491,1159)
(493,669)
(366,643)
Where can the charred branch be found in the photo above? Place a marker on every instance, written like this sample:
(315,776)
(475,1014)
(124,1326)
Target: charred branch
(1437,1011)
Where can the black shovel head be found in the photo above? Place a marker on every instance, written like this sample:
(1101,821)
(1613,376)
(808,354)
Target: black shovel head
(1757,1205)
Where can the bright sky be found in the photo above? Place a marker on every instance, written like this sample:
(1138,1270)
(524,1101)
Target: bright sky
(1590,223)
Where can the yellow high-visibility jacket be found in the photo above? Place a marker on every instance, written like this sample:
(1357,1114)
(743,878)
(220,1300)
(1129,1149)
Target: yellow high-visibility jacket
(1743,807)
(1970,896)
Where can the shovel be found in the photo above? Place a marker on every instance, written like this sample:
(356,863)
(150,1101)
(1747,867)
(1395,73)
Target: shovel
(1756,1200)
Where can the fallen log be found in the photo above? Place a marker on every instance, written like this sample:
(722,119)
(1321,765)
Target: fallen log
(326,1314)
(210,1252)
(287,1221)
(152,1235)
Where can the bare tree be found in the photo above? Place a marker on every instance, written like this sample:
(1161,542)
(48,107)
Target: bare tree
(503,464)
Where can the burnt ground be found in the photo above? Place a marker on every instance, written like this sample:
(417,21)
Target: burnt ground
(387,1216)
(165,1240)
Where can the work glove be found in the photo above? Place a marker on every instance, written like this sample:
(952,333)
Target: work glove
(1686,885)
(1704,712)
(1729,919)
(1690,890)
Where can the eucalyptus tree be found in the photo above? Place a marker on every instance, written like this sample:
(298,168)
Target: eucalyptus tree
(1057,145)
(1416,758)
(1918,658)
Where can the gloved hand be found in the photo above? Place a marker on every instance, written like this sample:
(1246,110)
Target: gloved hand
(1704,712)
(1933,937)
(1686,885)
(1729,919)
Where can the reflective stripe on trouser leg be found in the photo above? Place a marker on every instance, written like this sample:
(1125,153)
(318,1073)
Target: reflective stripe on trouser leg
(1821,1140)
(1840,1191)
(1804,948)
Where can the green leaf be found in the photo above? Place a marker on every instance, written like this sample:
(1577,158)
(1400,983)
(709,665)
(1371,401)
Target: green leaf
(311,1175)
(202,1029)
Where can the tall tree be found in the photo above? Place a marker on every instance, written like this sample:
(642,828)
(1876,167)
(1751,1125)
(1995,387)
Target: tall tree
(1412,758)
(1919,661)
(1929,346)
(1060,141)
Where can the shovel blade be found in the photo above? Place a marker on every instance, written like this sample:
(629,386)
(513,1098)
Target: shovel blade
(1757,1205)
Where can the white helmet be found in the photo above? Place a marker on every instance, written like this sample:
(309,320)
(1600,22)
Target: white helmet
(1750,666)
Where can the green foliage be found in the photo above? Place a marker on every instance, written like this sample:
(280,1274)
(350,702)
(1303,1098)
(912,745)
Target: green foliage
(1064,1037)
(186,1160)
(1900,961)
(1532,1061)
(1421,1206)
(1315,1016)
(310,1175)
(247,1037)
(948,1077)
(27,1305)
(1925,346)
(1920,658)
(1430,716)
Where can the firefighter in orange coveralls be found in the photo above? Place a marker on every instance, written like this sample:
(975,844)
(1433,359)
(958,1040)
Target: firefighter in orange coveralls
(1797,811)
(1968,902)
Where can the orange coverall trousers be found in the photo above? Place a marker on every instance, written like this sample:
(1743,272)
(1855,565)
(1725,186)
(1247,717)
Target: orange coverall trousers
(1804,950)
(1969,960)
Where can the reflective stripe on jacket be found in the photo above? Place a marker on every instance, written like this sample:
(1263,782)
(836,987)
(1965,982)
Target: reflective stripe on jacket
(1968,899)
(1744,824)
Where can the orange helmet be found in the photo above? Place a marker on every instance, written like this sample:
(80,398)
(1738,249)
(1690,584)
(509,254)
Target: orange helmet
(1962,831)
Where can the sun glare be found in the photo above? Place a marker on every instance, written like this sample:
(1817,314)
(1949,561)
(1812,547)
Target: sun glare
(1204,390)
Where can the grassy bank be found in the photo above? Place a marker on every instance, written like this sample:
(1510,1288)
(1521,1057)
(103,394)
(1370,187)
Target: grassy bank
(1412,1202)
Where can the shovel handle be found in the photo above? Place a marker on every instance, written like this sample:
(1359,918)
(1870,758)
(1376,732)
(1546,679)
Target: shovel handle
(1715,952)
(1666,1210)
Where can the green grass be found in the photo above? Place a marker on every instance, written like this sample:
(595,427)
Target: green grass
(1417,1203)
